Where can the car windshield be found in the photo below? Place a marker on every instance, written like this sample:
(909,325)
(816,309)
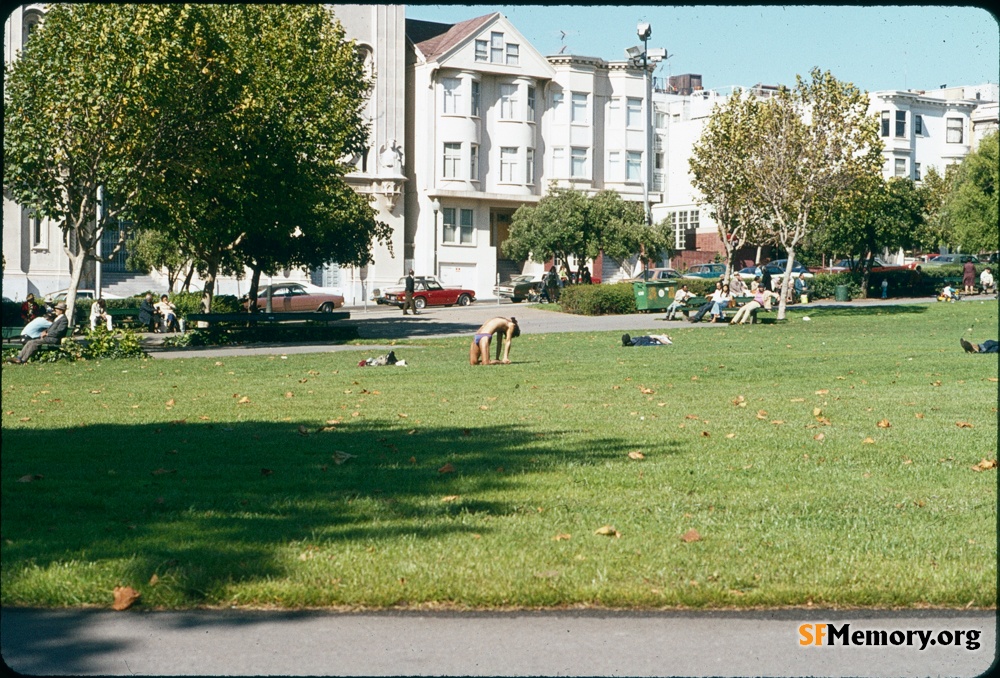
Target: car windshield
(432,285)
(521,278)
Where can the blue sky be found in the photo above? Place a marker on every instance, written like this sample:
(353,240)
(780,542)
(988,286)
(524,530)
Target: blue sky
(876,47)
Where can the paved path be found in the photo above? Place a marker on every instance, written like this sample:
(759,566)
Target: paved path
(382,324)
(590,643)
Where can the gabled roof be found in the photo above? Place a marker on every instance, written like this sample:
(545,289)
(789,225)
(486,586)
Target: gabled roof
(434,39)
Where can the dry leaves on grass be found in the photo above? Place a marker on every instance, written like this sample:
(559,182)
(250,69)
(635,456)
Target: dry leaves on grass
(762,414)
(690,536)
(636,455)
(562,537)
(647,391)
(884,424)
(740,401)
(869,441)
(985,464)
(125,597)
(450,498)
(447,468)
(963,424)
(607,531)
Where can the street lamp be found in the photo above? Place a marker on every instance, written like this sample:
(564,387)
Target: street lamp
(644,31)
(436,206)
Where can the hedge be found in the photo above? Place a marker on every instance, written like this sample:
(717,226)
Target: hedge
(598,299)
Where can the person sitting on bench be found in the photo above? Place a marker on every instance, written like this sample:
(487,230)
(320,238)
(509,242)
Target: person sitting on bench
(53,335)
(34,329)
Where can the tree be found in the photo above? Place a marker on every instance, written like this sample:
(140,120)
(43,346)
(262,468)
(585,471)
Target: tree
(971,204)
(87,107)
(810,143)
(263,187)
(723,173)
(936,227)
(567,223)
(871,215)
(152,250)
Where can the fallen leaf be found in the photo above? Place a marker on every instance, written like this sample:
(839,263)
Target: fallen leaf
(607,531)
(615,387)
(762,414)
(819,436)
(413,460)
(691,535)
(740,401)
(548,574)
(125,597)
(289,394)
(884,424)
(96,391)
(484,407)
(647,391)
(450,497)
(822,391)
(171,402)
(706,434)
(30,477)
(868,441)
(355,414)
(694,378)
(339,457)
(402,415)
(817,411)
(561,537)
(447,468)
(243,400)
(154,580)
(919,415)
(636,455)
(823,420)
(991,379)
(797,400)
(730,435)
(935,383)
(778,422)
(691,416)
(963,424)
(985,464)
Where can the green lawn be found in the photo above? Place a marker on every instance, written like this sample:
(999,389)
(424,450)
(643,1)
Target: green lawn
(205,482)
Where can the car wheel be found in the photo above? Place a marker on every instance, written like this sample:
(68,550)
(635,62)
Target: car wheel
(464,300)
(419,303)
(516,300)
(326,308)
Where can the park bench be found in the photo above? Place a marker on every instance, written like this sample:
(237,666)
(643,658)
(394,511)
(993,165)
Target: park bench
(12,334)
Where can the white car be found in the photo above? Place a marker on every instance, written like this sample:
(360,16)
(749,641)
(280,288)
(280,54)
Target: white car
(80,294)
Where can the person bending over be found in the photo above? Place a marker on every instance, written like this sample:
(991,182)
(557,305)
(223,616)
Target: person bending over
(479,352)
(988,346)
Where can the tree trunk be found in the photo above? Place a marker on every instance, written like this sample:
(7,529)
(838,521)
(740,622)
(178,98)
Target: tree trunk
(866,273)
(786,284)
(187,278)
(76,262)
(252,293)
(208,291)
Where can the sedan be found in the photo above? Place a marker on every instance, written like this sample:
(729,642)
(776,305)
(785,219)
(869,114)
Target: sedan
(429,292)
(706,271)
(290,297)
(878,266)
(952,259)
(521,287)
(379,296)
(776,269)
(654,274)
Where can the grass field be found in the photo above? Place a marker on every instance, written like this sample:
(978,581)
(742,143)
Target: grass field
(827,462)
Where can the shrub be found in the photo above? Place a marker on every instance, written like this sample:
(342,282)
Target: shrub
(598,299)
(824,285)
(116,344)
(10,313)
(186,302)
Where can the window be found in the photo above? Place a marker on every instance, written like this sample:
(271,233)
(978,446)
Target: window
(508,164)
(633,112)
(578,162)
(481,53)
(475,98)
(578,113)
(452,96)
(885,123)
(529,167)
(633,166)
(508,102)
(496,48)
(900,167)
(558,168)
(558,99)
(901,123)
(474,162)
(678,220)
(660,119)
(39,234)
(452,158)
(916,171)
(460,232)
(918,125)
(954,131)
(531,104)
(658,160)
(614,166)
(512,54)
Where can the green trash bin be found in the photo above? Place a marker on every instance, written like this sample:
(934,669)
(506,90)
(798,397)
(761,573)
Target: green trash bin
(841,293)
(653,295)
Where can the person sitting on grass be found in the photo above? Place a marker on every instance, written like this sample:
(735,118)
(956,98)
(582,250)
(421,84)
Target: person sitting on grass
(479,352)
(988,346)
(53,335)
(646,340)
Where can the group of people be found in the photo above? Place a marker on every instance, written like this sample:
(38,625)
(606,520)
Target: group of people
(161,316)
(52,333)
(723,297)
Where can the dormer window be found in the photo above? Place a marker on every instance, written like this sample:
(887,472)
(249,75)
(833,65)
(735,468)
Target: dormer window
(498,51)
(496,48)
(512,54)
(482,53)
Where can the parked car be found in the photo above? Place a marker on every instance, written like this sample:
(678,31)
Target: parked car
(654,274)
(290,297)
(955,259)
(777,270)
(378,295)
(429,292)
(80,294)
(520,287)
(842,265)
(706,271)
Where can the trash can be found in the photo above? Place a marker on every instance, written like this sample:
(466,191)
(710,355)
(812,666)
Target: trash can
(841,293)
(652,295)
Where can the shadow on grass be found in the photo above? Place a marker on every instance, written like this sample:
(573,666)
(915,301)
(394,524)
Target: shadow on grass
(204,505)
(401,327)
(837,310)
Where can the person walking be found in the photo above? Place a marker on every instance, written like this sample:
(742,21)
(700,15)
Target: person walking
(53,335)
(552,284)
(408,297)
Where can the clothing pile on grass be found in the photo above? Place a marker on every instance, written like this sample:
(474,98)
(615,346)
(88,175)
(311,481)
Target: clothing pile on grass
(378,361)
